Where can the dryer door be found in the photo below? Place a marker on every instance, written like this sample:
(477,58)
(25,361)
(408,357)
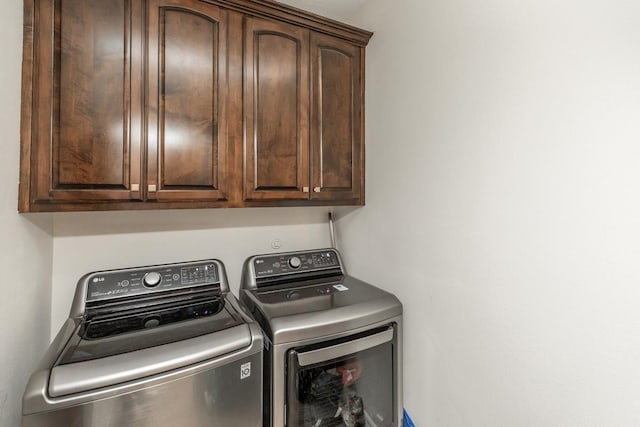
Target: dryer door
(349,381)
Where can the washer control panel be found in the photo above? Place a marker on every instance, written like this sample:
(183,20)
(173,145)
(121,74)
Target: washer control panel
(138,281)
(297,262)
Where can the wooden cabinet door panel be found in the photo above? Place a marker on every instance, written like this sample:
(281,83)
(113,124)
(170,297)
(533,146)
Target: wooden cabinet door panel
(277,111)
(130,104)
(336,111)
(86,136)
(187,143)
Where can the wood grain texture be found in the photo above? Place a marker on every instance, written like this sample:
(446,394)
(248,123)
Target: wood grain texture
(187,143)
(90,146)
(235,109)
(101,205)
(276,105)
(277,139)
(336,109)
(189,100)
(26,117)
(337,113)
(212,103)
(72,114)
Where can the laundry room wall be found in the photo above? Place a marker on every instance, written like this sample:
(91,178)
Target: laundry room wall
(503,206)
(91,241)
(25,241)
(340,10)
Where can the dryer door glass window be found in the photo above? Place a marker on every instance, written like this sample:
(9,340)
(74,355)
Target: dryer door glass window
(346,382)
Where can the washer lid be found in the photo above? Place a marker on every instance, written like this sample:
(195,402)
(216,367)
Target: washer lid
(113,334)
(87,364)
(97,373)
(321,307)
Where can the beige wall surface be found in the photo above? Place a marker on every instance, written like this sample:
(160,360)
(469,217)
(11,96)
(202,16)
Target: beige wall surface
(25,241)
(503,206)
(92,241)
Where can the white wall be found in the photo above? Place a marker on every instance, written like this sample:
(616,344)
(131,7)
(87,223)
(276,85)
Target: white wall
(25,241)
(503,153)
(93,241)
(341,10)
(502,159)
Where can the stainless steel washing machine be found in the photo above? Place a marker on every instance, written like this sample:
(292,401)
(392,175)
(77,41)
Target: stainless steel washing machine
(333,353)
(164,345)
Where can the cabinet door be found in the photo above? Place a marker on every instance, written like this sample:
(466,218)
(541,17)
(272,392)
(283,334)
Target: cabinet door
(87,101)
(276,111)
(187,100)
(337,149)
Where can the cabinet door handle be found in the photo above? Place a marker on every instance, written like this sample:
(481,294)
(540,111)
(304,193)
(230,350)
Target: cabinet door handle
(305,189)
(135,187)
(152,188)
(316,189)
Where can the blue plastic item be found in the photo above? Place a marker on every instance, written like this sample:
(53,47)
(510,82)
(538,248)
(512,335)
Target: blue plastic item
(406,421)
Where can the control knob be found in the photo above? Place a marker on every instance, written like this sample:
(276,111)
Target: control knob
(293,295)
(151,322)
(294,262)
(152,279)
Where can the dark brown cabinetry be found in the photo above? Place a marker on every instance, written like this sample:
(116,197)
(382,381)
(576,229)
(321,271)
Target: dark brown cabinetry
(131,104)
(303,115)
(186,101)
(277,110)
(83,142)
(337,147)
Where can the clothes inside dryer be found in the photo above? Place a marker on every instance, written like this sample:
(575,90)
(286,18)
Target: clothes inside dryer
(355,390)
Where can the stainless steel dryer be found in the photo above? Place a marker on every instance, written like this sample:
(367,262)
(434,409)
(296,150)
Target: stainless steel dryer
(165,345)
(333,343)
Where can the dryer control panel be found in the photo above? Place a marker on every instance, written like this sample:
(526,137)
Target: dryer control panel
(263,270)
(296,262)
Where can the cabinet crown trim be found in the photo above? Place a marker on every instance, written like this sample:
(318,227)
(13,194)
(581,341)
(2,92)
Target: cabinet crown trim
(286,13)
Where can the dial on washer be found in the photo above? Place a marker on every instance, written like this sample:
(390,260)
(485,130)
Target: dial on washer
(294,262)
(152,279)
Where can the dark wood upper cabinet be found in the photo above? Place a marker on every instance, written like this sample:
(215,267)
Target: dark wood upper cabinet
(186,101)
(132,104)
(303,108)
(337,146)
(276,110)
(84,107)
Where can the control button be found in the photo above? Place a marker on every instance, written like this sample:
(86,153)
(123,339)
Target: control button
(176,277)
(152,279)
(151,323)
(295,262)
(293,295)
(124,283)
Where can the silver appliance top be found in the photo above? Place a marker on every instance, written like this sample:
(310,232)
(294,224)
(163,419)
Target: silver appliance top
(293,303)
(92,364)
(137,322)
